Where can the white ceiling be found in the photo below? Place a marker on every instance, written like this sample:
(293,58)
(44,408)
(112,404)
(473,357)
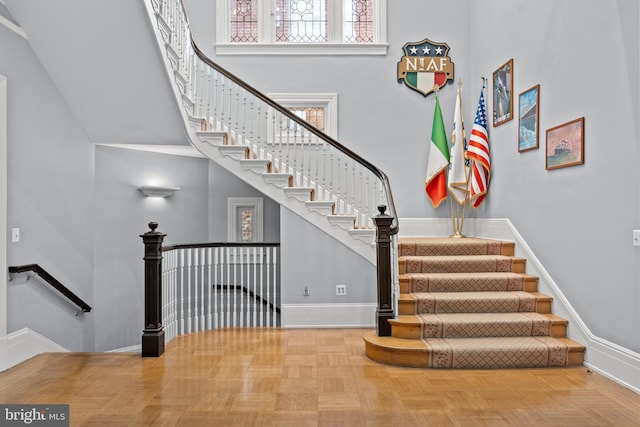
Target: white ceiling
(106,63)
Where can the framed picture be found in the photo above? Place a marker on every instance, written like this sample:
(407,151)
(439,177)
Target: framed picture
(565,145)
(503,93)
(528,107)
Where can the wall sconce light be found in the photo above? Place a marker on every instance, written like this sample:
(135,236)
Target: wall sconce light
(157,191)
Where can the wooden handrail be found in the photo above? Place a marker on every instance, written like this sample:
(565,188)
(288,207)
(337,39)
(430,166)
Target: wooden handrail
(55,283)
(220,245)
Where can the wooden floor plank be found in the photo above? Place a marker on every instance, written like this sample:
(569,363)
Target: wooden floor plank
(319,377)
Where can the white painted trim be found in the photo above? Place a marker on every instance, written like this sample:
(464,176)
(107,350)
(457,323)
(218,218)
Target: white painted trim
(173,150)
(609,359)
(328,101)
(301,49)
(349,315)
(130,349)
(26,343)
(13,27)
(4,351)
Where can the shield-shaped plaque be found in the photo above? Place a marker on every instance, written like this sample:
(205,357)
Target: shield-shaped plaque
(425,66)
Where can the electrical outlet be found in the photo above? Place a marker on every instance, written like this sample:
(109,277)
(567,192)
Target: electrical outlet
(306,291)
(341,290)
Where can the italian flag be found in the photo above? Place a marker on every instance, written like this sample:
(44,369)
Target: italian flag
(424,82)
(436,181)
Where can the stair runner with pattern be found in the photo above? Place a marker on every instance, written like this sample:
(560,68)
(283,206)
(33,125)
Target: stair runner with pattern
(468,303)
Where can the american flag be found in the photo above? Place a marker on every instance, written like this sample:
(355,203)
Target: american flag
(478,153)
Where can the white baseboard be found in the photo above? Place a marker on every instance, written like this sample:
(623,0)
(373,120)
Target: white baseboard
(130,349)
(328,315)
(611,360)
(24,344)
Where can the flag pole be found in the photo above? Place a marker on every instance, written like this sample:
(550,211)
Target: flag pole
(458,213)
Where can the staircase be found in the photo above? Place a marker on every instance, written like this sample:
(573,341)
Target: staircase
(266,145)
(468,303)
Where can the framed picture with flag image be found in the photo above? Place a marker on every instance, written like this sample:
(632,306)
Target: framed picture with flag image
(565,145)
(503,93)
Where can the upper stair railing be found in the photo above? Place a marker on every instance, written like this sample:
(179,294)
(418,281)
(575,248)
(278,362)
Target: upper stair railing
(215,100)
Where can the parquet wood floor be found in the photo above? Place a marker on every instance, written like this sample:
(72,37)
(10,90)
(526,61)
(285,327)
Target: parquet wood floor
(293,377)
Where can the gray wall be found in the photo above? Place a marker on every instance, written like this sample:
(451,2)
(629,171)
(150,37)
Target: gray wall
(584,54)
(122,214)
(578,220)
(312,258)
(50,198)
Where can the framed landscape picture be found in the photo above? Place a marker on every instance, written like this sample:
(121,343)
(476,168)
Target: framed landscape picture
(528,123)
(503,93)
(565,145)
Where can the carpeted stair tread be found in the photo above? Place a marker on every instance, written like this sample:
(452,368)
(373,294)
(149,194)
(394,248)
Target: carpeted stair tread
(475,302)
(466,282)
(464,325)
(497,352)
(461,264)
(433,246)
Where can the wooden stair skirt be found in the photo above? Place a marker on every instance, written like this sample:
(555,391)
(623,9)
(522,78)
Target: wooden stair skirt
(468,303)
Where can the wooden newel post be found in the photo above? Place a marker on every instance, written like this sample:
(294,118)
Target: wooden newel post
(153,333)
(384,312)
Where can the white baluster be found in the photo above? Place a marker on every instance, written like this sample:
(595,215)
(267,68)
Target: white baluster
(203,285)
(235,286)
(189,275)
(181,307)
(196,290)
(241,310)
(268,288)
(216,303)
(255,285)
(209,285)
(228,283)
(174,293)
(275,288)
(261,284)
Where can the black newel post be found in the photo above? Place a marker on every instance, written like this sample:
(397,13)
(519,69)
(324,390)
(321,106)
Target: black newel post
(384,312)
(153,333)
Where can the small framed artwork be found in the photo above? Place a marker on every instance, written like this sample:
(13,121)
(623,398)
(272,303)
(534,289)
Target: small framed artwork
(503,93)
(528,107)
(565,145)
